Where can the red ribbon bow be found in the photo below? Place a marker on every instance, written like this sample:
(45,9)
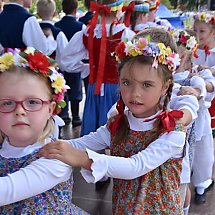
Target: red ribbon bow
(128,10)
(207,50)
(116,123)
(102,53)
(168,119)
(94,7)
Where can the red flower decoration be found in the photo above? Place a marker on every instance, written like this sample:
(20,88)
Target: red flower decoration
(183,39)
(168,119)
(38,62)
(212,21)
(120,50)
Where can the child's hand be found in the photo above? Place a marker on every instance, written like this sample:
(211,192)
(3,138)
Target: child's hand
(64,152)
(189,91)
(47,32)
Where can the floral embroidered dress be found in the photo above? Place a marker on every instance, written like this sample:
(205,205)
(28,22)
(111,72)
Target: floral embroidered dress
(156,192)
(57,200)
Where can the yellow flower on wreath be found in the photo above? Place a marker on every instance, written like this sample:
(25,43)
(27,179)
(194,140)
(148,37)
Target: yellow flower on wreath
(6,61)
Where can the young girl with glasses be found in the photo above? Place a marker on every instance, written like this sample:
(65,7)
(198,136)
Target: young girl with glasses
(31,91)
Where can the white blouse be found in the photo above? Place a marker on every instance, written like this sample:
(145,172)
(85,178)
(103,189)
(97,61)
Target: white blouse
(167,146)
(38,177)
(203,59)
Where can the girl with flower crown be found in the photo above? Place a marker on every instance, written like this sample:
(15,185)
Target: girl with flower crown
(204,26)
(199,137)
(97,42)
(146,140)
(31,91)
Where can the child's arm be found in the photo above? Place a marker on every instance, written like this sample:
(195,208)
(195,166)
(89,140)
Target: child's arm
(62,42)
(169,145)
(33,36)
(71,58)
(38,177)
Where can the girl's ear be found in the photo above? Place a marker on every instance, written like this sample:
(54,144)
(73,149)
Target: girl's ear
(52,108)
(166,87)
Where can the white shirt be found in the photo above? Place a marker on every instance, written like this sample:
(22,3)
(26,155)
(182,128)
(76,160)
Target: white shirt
(61,41)
(38,177)
(75,51)
(167,146)
(203,59)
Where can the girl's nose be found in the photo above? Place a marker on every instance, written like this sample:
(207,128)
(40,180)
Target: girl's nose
(20,110)
(135,91)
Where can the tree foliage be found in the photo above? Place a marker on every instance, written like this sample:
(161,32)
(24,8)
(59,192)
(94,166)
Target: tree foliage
(33,8)
(188,5)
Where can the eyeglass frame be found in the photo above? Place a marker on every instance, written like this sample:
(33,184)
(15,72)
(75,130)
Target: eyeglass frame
(21,103)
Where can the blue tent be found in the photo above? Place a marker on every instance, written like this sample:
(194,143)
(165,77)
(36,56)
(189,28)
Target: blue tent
(164,13)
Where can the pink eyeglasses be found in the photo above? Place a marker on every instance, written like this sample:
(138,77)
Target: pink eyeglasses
(31,105)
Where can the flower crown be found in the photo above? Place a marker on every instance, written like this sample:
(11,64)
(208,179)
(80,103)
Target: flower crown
(142,46)
(205,17)
(39,63)
(181,37)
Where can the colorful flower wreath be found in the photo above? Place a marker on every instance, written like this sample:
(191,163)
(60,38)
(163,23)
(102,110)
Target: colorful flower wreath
(39,63)
(181,37)
(205,17)
(142,46)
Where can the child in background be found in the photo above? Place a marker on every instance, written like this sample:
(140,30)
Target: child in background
(136,15)
(46,10)
(146,142)
(19,29)
(192,85)
(98,41)
(88,15)
(31,91)
(204,26)
(69,25)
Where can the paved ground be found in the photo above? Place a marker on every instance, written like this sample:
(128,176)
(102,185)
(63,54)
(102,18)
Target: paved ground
(99,202)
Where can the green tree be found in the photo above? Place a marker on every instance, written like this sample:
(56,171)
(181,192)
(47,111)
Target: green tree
(188,5)
(167,3)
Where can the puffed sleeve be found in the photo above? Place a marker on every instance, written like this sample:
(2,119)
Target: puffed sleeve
(169,145)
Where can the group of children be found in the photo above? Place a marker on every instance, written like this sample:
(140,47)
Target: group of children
(147,101)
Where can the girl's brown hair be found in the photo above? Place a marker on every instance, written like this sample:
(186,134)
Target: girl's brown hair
(158,35)
(164,74)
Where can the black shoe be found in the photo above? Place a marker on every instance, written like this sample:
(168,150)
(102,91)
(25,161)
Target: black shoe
(101,184)
(200,199)
(66,120)
(76,121)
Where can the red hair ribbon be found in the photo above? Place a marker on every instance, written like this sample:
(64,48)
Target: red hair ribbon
(168,119)
(128,10)
(116,123)
(100,74)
